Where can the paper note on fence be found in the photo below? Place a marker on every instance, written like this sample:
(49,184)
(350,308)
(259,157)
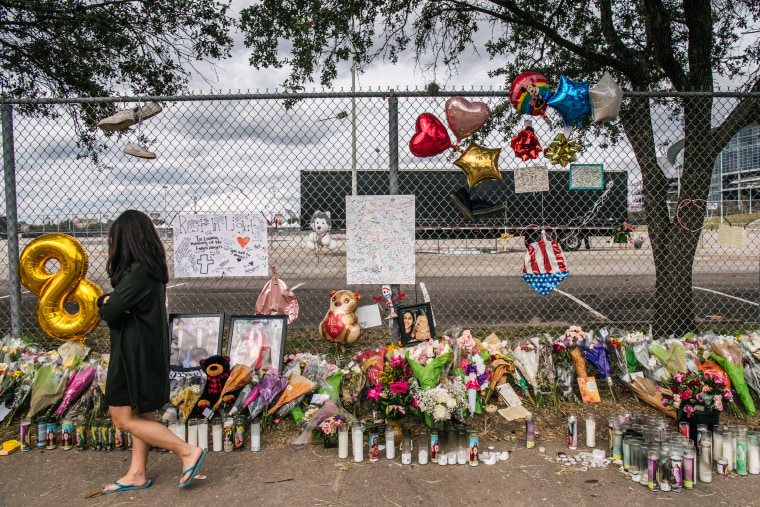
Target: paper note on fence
(586,176)
(731,237)
(531,179)
(380,239)
(220,245)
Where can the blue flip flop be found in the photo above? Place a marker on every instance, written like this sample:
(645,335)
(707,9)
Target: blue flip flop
(193,470)
(121,487)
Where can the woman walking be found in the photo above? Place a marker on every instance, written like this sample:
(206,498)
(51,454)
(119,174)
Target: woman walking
(138,370)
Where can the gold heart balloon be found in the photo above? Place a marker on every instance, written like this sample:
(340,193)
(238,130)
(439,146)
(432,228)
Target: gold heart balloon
(479,164)
(562,151)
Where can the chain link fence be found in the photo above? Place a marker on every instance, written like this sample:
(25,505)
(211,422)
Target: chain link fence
(288,158)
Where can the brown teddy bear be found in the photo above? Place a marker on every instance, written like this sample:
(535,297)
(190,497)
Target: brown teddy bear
(217,369)
(340,325)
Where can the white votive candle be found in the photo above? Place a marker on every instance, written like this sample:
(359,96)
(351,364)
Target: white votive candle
(590,431)
(203,434)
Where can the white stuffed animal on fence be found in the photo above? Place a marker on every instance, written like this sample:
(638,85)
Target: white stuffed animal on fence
(320,235)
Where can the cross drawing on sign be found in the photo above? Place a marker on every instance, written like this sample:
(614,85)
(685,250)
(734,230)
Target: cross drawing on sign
(205,262)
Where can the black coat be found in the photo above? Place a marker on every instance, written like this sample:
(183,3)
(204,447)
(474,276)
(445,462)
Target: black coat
(138,369)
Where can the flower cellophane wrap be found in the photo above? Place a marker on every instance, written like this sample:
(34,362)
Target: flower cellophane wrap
(578,362)
(326,410)
(429,375)
(297,386)
(646,391)
(240,375)
(78,383)
(46,388)
(729,357)
(673,359)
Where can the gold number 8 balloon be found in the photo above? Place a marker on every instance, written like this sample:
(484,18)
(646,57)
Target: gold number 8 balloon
(55,289)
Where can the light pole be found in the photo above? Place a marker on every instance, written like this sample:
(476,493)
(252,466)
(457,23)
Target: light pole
(165,217)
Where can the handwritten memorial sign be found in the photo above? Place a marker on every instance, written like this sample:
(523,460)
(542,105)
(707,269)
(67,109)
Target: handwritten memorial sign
(531,179)
(220,245)
(380,239)
(586,176)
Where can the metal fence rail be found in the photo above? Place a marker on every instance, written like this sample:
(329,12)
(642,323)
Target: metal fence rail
(253,153)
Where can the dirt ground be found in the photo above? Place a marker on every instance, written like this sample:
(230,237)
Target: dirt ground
(284,474)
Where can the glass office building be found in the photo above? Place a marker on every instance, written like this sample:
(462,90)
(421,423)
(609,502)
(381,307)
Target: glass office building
(736,173)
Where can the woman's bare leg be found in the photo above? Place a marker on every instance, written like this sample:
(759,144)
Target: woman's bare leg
(146,432)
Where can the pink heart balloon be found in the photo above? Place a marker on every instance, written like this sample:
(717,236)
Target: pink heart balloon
(465,117)
(430,137)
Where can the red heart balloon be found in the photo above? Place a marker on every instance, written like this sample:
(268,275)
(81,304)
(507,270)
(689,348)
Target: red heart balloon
(465,117)
(430,137)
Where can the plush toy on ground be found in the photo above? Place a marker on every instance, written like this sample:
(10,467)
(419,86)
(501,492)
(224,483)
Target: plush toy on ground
(217,369)
(320,235)
(340,325)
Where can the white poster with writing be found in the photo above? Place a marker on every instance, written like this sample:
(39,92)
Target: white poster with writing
(380,239)
(220,245)
(531,179)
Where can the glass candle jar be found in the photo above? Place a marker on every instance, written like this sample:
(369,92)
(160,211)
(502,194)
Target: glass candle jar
(228,431)
(463,450)
(51,436)
(633,467)
(741,455)
(572,432)
(443,448)
(239,433)
(665,469)
(590,431)
(689,468)
(406,447)
(374,443)
(705,461)
(67,434)
(753,453)
(202,433)
(342,440)
(423,445)
(530,432)
(676,470)
(729,447)
(390,441)
(474,448)
(617,443)
(434,446)
(192,432)
(357,441)
(216,434)
(653,469)
(81,433)
(611,423)
(627,439)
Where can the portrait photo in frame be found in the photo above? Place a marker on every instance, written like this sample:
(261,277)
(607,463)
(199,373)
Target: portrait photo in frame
(416,323)
(194,337)
(257,340)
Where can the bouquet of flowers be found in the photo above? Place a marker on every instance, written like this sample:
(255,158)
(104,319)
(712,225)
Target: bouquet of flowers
(597,355)
(622,233)
(326,429)
(476,373)
(567,349)
(443,402)
(729,357)
(428,351)
(694,391)
(395,388)
(526,360)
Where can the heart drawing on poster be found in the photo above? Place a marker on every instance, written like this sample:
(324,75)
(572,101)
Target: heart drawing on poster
(243,241)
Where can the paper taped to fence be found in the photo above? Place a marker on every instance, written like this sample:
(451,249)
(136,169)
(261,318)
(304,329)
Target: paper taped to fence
(380,239)
(220,245)
(732,237)
(531,179)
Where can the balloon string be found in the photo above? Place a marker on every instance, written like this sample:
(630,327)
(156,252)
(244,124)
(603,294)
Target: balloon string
(678,210)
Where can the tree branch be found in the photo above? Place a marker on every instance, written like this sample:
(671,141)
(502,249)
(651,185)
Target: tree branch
(659,32)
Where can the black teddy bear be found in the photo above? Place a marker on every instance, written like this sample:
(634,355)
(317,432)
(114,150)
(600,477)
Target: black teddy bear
(217,369)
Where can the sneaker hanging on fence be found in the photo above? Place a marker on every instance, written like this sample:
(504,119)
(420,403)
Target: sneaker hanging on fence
(544,267)
(129,117)
(136,150)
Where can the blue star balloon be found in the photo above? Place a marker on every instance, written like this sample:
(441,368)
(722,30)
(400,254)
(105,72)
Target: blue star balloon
(571,100)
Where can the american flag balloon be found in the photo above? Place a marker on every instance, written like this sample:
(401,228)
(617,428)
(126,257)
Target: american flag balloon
(544,267)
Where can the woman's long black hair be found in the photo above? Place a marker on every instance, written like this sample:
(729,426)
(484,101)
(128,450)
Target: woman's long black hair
(133,238)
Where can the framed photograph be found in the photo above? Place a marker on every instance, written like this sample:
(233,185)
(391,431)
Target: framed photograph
(194,337)
(416,323)
(257,340)
(586,176)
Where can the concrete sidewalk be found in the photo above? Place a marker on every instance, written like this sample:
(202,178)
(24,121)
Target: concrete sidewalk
(289,475)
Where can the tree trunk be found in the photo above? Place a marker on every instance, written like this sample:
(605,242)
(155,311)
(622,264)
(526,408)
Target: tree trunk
(674,244)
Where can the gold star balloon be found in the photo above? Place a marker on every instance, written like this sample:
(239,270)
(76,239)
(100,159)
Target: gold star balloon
(562,151)
(479,164)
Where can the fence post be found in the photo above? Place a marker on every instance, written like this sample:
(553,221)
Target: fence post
(393,174)
(9,168)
